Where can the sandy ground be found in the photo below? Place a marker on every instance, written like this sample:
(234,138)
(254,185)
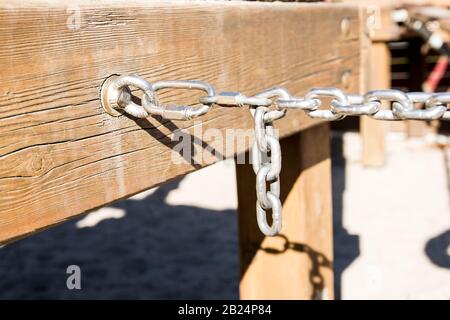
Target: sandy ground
(400,216)
(392,235)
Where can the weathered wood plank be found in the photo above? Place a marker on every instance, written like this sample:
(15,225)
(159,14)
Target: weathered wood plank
(61,155)
(298,263)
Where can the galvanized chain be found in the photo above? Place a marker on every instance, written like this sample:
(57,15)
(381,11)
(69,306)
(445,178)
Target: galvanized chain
(404,106)
(116,99)
(267,167)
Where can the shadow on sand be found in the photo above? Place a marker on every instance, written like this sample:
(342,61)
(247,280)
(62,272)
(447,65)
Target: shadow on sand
(155,251)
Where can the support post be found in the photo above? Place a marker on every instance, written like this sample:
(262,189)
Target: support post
(373,131)
(417,71)
(298,263)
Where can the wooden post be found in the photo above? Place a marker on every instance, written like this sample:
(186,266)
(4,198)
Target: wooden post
(373,131)
(417,71)
(297,264)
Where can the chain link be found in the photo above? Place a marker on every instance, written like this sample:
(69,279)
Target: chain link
(267,169)
(266,151)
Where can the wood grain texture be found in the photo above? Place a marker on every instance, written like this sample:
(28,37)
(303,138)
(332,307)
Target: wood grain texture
(61,155)
(297,264)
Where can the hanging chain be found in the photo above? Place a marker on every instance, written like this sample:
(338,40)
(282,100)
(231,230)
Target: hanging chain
(116,99)
(267,168)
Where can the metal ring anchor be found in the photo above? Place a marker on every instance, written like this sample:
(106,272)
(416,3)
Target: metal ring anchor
(116,96)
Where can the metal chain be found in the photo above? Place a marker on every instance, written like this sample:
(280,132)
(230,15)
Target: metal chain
(116,99)
(267,167)
(405,106)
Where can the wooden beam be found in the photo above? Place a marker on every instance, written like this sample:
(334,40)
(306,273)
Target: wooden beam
(375,73)
(61,155)
(417,71)
(298,263)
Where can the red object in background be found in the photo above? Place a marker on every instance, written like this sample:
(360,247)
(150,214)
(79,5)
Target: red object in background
(436,74)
